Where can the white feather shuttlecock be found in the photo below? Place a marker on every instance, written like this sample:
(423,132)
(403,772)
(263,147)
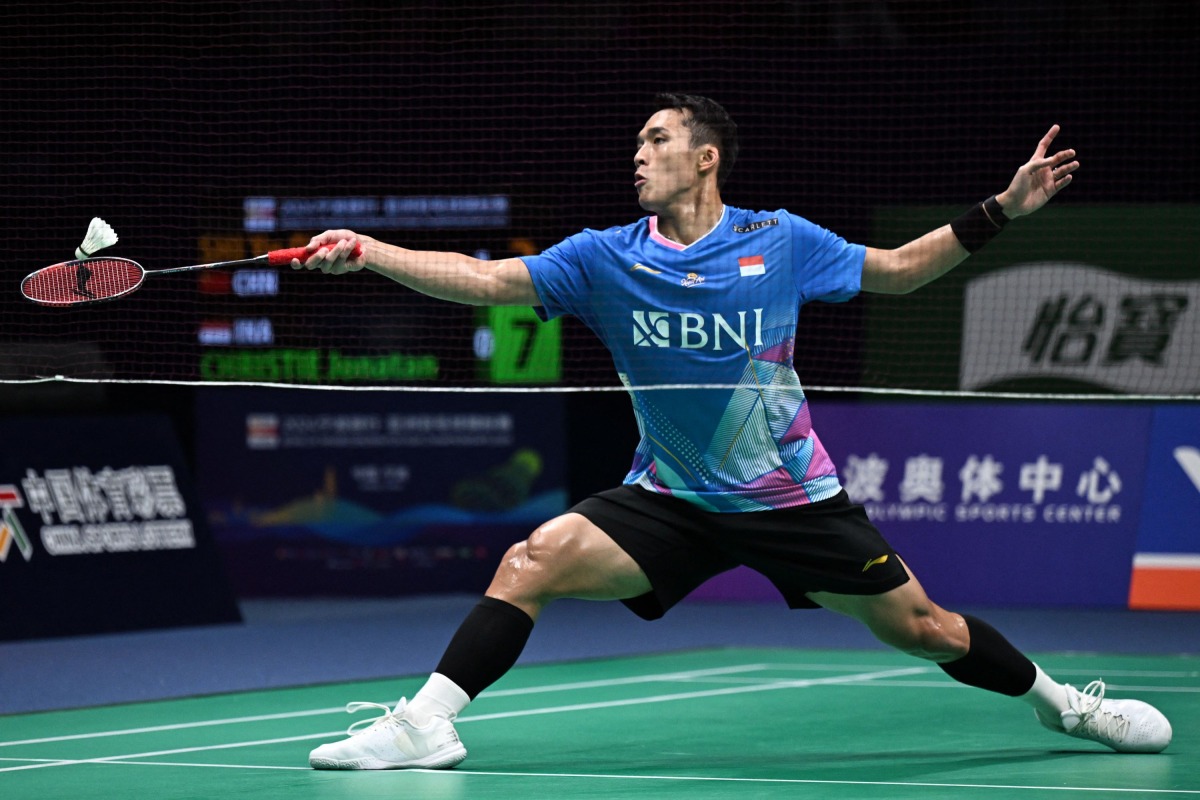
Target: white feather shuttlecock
(99,236)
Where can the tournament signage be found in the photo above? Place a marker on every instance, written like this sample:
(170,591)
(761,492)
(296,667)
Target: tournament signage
(1083,323)
(314,365)
(392,212)
(132,509)
(99,531)
(1030,504)
(1075,299)
(1166,566)
(1083,505)
(375,493)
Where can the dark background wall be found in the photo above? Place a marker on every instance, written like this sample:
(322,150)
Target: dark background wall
(161,117)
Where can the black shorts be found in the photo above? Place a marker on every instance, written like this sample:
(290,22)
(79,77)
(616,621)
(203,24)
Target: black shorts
(828,546)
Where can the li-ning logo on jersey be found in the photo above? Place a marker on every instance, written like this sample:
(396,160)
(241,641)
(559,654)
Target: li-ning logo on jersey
(692,279)
(637,267)
(692,331)
(754,226)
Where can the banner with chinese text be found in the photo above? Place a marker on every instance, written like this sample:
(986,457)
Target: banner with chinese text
(991,503)
(375,493)
(101,531)
(1005,504)
(1076,299)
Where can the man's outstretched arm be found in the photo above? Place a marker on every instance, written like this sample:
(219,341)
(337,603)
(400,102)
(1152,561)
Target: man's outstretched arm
(446,276)
(922,260)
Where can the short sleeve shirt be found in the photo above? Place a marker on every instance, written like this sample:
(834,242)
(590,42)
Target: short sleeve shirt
(703,338)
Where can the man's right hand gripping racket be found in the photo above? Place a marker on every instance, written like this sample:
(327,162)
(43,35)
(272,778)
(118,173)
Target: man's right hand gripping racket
(91,280)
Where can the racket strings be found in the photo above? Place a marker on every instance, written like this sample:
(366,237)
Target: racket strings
(83,281)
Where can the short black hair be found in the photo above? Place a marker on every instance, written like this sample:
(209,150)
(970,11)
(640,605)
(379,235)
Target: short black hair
(708,122)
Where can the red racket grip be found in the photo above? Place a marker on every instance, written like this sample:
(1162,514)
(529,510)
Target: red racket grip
(282,258)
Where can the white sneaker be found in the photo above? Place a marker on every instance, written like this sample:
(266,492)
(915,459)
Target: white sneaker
(391,741)
(1127,726)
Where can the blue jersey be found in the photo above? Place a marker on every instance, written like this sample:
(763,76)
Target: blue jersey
(716,320)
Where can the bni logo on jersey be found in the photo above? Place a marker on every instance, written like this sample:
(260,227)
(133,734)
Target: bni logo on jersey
(11,532)
(694,331)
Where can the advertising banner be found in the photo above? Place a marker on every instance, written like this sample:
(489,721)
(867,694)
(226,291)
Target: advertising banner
(1076,299)
(375,493)
(1009,504)
(101,531)
(1166,567)
(1081,323)
(999,504)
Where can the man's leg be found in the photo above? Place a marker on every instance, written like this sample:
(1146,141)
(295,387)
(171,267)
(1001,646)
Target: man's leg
(568,556)
(974,653)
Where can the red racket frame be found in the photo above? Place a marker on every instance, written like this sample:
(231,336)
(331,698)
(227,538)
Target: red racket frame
(71,280)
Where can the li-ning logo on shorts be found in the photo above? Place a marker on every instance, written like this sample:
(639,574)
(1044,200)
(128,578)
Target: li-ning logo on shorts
(691,331)
(881,560)
(692,279)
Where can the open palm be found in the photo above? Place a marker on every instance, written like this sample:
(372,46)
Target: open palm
(1038,179)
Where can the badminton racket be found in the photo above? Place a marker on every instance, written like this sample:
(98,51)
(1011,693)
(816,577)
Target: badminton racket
(91,280)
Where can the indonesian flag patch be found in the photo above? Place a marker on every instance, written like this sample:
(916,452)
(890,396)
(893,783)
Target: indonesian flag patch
(752,265)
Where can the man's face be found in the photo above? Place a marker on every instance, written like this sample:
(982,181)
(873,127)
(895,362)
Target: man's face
(665,167)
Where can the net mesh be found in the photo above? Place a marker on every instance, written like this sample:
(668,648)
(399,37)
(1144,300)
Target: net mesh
(216,130)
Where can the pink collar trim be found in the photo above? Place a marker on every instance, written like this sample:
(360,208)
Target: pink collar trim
(665,242)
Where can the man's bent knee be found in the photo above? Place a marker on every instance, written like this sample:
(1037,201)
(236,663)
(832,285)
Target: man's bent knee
(566,557)
(939,636)
(906,619)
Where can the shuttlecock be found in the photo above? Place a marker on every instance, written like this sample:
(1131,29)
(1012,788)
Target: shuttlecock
(99,236)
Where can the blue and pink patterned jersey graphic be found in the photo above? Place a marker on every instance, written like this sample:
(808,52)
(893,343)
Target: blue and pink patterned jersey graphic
(703,337)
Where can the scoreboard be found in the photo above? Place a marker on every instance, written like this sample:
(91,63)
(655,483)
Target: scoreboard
(280,326)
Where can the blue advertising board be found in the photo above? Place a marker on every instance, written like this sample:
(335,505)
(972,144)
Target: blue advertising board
(375,493)
(101,530)
(995,503)
(1173,473)
(1166,566)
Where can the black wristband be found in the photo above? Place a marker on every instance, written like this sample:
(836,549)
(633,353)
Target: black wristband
(980,224)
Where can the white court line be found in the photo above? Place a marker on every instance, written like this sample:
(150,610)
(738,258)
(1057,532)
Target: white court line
(1130,673)
(686,675)
(788,684)
(169,764)
(179,726)
(800,683)
(1122,673)
(651,678)
(1109,687)
(659,678)
(151,754)
(685,778)
(949,683)
(922,784)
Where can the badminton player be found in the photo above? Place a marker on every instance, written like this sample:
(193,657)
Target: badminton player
(699,292)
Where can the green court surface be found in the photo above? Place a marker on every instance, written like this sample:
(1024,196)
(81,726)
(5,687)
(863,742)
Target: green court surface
(746,723)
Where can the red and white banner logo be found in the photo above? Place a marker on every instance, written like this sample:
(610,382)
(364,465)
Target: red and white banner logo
(11,532)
